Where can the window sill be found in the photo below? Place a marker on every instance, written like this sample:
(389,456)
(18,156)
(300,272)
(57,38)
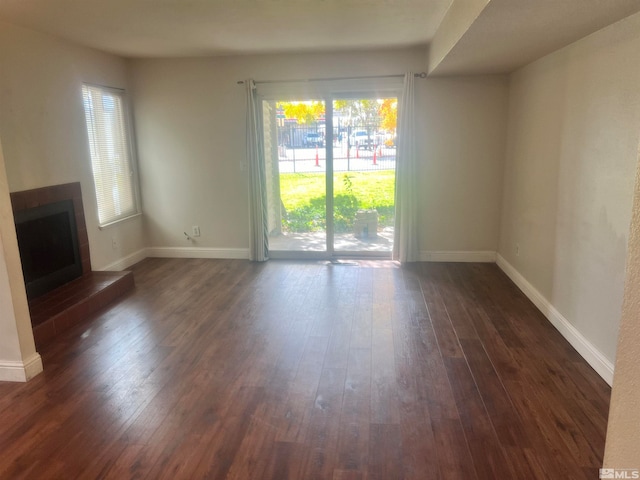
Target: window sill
(119,221)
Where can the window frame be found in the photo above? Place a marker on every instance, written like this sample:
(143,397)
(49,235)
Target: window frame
(128,129)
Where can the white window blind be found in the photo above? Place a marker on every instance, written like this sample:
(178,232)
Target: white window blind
(111,153)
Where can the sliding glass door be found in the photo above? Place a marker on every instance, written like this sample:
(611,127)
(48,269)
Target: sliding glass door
(330,176)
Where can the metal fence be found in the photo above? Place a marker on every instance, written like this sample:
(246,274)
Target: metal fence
(355,148)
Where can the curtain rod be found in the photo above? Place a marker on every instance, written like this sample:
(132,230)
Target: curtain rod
(419,75)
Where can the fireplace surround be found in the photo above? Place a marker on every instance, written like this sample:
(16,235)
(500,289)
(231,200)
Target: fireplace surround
(61,288)
(25,200)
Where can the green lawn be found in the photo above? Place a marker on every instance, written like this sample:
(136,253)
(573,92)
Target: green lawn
(370,188)
(303,197)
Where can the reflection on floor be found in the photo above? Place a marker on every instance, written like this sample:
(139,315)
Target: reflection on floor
(343,242)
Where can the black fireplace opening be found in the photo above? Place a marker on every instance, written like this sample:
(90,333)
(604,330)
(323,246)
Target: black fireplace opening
(48,243)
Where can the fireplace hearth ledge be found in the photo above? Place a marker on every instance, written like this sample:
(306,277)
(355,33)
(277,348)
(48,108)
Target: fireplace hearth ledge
(72,303)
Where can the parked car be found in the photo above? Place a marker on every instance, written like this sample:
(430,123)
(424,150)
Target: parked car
(313,139)
(361,139)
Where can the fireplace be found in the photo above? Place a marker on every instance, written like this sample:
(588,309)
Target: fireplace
(56,261)
(40,200)
(49,249)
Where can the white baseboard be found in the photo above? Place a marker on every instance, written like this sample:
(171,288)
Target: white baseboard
(126,262)
(458,256)
(12,371)
(589,352)
(194,252)
(176,252)
(243,254)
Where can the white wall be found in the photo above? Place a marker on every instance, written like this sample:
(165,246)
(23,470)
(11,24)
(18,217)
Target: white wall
(463,125)
(190,123)
(574,124)
(42,124)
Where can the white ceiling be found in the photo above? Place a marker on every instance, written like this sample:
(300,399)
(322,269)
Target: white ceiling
(506,35)
(153,28)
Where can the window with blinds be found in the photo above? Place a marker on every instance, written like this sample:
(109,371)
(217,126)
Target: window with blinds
(111,153)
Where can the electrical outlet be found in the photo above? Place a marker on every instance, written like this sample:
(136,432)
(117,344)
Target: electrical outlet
(196,231)
(114,243)
(517,249)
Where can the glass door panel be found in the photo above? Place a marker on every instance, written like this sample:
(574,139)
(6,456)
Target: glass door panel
(364,162)
(295,170)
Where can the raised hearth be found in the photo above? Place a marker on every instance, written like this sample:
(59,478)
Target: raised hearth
(70,304)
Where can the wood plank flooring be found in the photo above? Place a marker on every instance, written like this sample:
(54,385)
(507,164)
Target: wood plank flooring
(294,370)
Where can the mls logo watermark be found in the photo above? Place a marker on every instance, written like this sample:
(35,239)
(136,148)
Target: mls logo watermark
(619,473)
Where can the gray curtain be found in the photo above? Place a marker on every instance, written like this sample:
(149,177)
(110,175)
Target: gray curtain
(259,248)
(405,241)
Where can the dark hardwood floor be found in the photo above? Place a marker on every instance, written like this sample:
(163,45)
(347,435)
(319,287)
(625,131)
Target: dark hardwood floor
(292,370)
